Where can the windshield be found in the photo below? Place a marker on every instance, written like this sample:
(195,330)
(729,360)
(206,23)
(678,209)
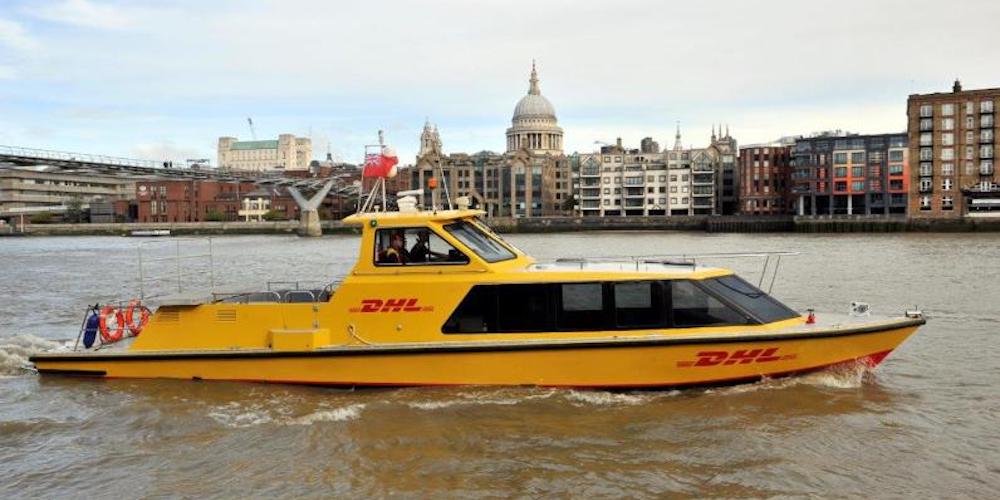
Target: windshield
(477,241)
(488,230)
(748,297)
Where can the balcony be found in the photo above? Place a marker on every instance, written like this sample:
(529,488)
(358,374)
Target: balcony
(637,203)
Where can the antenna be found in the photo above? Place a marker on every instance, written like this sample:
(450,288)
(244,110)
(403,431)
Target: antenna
(253,133)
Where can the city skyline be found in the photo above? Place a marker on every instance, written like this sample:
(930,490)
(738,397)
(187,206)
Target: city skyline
(156,80)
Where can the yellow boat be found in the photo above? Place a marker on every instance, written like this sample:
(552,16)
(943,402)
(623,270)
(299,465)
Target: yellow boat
(437,298)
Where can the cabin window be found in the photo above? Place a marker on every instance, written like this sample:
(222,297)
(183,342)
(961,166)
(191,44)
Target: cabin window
(638,304)
(414,246)
(478,241)
(751,299)
(693,306)
(476,314)
(523,308)
(581,306)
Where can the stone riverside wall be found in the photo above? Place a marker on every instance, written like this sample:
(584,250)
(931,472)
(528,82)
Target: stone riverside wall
(728,224)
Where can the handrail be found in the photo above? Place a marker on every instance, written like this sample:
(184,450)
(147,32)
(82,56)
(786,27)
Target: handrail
(691,260)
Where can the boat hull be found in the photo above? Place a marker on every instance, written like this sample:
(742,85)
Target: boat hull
(663,361)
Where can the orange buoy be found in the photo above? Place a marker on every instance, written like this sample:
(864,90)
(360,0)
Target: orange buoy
(432,183)
(107,314)
(133,327)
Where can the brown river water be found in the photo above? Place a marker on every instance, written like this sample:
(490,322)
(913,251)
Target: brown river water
(926,423)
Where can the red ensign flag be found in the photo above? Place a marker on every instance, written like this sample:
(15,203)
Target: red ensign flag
(380,165)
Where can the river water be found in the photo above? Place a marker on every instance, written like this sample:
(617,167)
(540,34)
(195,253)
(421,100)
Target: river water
(925,423)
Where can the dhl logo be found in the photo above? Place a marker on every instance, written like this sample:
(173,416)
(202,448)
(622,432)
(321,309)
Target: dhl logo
(391,305)
(741,356)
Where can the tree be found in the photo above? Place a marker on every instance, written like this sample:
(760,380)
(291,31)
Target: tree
(214,215)
(273,215)
(74,209)
(41,218)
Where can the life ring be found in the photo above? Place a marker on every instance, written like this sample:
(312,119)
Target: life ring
(134,328)
(106,314)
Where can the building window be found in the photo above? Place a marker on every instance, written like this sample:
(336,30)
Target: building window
(986,106)
(895,169)
(673,178)
(986,135)
(946,185)
(857,171)
(607,190)
(947,154)
(947,203)
(607,202)
(926,154)
(896,155)
(840,186)
(925,203)
(926,124)
(926,139)
(986,151)
(857,158)
(970,122)
(986,121)
(986,168)
(948,139)
(858,186)
(840,172)
(926,110)
(673,201)
(839,158)
(947,109)
(947,124)
(969,107)
(926,185)
(948,169)
(607,180)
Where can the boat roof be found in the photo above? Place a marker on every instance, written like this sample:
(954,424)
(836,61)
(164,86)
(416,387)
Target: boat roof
(628,269)
(405,218)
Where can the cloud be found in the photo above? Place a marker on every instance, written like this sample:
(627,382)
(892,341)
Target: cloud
(7,73)
(84,13)
(167,150)
(13,35)
(347,69)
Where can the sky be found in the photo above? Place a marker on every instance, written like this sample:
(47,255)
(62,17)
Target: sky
(164,79)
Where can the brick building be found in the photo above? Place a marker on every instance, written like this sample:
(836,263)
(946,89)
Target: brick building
(954,137)
(189,200)
(851,174)
(765,172)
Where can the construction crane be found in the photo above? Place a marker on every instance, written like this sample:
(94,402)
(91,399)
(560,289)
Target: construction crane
(253,133)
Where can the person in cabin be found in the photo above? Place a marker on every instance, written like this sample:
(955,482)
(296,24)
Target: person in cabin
(396,253)
(421,251)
